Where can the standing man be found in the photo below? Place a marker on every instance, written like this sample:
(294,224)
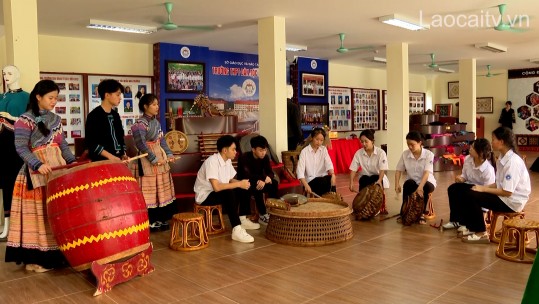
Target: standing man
(295,135)
(507,118)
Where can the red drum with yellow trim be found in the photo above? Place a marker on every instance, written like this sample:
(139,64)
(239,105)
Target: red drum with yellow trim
(97,213)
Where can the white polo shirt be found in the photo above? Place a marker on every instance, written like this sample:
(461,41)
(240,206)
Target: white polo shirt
(214,167)
(371,165)
(313,164)
(512,176)
(416,167)
(478,175)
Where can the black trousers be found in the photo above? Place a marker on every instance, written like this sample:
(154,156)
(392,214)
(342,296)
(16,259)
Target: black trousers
(321,185)
(458,198)
(367,180)
(472,212)
(11,164)
(270,189)
(162,214)
(228,199)
(410,186)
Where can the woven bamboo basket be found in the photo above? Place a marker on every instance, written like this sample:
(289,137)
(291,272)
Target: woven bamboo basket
(318,222)
(290,160)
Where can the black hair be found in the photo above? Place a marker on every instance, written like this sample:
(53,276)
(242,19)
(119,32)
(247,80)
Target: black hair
(224,141)
(509,103)
(147,99)
(506,134)
(484,150)
(367,133)
(139,93)
(42,88)
(317,131)
(109,86)
(259,142)
(415,136)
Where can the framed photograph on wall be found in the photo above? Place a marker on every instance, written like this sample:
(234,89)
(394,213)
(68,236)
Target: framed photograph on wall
(313,85)
(182,107)
(484,105)
(184,77)
(315,115)
(366,109)
(453,89)
(443,109)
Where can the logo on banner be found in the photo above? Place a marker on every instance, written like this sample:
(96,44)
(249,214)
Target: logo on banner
(314,64)
(249,87)
(185,52)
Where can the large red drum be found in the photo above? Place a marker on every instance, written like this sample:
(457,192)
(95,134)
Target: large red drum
(97,213)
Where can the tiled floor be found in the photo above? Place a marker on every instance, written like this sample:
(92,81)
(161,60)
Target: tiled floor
(383,263)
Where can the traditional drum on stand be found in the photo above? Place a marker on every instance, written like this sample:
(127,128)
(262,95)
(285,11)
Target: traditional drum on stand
(98,215)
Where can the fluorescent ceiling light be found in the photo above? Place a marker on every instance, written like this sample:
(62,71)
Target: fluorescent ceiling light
(534,60)
(489,46)
(295,47)
(120,27)
(443,70)
(379,59)
(404,22)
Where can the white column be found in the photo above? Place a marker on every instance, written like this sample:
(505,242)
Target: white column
(20,21)
(467,93)
(272,81)
(397,101)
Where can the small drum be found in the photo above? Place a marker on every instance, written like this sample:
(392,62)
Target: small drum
(273,203)
(368,202)
(177,141)
(97,213)
(294,199)
(412,209)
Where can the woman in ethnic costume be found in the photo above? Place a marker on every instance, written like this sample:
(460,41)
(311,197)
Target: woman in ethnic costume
(40,142)
(153,171)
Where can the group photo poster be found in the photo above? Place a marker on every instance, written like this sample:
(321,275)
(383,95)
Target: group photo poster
(366,109)
(134,89)
(340,108)
(69,105)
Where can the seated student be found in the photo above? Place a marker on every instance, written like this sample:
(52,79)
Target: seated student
(315,169)
(104,129)
(477,170)
(373,163)
(418,164)
(510,193)
(255,166)
(215,185)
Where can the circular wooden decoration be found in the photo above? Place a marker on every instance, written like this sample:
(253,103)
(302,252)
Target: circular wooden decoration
(177,141)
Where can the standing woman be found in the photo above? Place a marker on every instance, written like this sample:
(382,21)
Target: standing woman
(418,164)
(507,117)
(40,142)
(477,170)
(510,193)
(372,161)
(154,171)
(315,169)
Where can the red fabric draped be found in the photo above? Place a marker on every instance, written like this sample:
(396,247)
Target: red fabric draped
(342,152)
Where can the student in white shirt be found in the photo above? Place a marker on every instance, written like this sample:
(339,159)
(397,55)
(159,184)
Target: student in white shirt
(215,184)
(315,169)
(477,170)
(418,164)
(373,163)
(510,193)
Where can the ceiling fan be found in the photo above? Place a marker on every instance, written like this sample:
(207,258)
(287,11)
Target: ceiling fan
(433,65)
(169,25)
(342,49)
(489,74)
(509,26)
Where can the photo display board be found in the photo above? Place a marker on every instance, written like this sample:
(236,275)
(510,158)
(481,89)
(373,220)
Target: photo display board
(340,108)
(366,112)
(128,107)
(70,104)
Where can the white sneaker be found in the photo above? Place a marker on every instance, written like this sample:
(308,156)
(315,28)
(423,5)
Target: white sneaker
(248,224)
(451,225)
(264,219)
(462,228)
(239,234)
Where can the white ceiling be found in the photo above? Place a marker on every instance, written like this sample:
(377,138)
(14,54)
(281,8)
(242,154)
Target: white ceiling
(315,23)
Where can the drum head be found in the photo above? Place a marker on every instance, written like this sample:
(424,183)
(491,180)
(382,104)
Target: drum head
(177,141)
(294,199)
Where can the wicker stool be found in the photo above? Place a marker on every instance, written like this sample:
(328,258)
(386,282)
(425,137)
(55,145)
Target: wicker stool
(495,234)
(188,232)
(207,212)
(430,209)
(517,251)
